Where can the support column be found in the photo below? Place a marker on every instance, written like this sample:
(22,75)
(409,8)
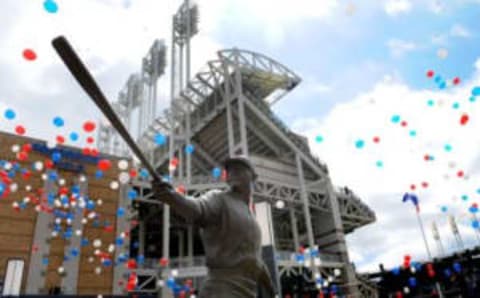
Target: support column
(190,244)
(121,251)
(349,272)
(293,220)
(141,238)
(37,270)
(306,205)
(263,214)
(181,241)
(69,282)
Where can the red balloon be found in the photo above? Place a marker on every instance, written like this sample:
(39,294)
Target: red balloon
(403,123)
(413,187)
(133,173)
(27,147)
(376,139)
(464,119)
(22,156)
(89,126)
(104,164)
(163,262)
(86,151)
(94,152)
(424,184)
(90,140)
(19,129)
(60,139)
(430,74)
(48,164)
(456,81)
(460,174)
(29,55)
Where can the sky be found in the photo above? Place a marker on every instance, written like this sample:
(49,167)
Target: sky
(361,63)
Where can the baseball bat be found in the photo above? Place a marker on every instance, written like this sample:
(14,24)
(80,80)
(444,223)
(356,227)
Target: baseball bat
(85,79)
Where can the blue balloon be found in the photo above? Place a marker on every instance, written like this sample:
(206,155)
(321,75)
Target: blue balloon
(45,261)
(56,156)
(50,6)
(189,149)
(144,173)
(473,209)
(412,281)
(476,91)
(74,252)
(444,209)
(442,85)
(10,114)
(395,118)
(132,194)
(58,121)
(120,212)
(447,272)
(438,79)
(359,144)
(457,267)
(216,172)
(475,224)
(430,102)
(396,271)
(119,241)
(98,174)
(84,242)
(472,99)
(455,105)
(74,136)
(53,176)
(159,139)
(90,205)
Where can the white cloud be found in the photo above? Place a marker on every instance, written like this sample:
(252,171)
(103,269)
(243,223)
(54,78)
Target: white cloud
(399,47)
(458,30)
(395,7)
(369,115)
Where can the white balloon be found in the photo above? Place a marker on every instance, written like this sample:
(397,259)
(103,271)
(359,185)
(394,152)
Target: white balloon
(61,181)
(54,233)
(78,232)
(124,177)
(38,208)
(82,178)
(38,165)
(69,221)
(44,177)
(84,221)
(111,248)
(123,165)
(98,270)
(161,283)
(280,204)
(15,148)
(91,259)
(13,187)
(28,187)
(114,185)
(61,269)
(174,272)
(442,53)
(8,166)
(99,202)
(97,243)
(51,144)
(58,220)
(406,290)
(337,272)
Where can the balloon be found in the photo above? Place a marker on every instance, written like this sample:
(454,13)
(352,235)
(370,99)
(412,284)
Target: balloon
(189,149)
(280,204)
(359,144)
(430,102)
(476,91)
(430,74)
(104,164)
(114,185)
(58,121)
(395,118)
(123,177)
(159,139)
(29,55)
(50,6)
(19,129)
(319,139)
(216,172)
(89,126)
(464,119)
(10,114)
(123,165)
(74,136)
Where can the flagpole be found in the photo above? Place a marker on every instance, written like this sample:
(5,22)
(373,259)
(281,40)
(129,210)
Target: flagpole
(420,223)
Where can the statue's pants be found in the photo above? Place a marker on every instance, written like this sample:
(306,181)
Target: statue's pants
(229,283)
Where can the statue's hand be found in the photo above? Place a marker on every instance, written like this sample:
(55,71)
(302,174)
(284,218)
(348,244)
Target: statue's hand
(161,188)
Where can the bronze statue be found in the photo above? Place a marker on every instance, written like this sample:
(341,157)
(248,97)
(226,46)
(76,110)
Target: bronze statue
(230,233)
